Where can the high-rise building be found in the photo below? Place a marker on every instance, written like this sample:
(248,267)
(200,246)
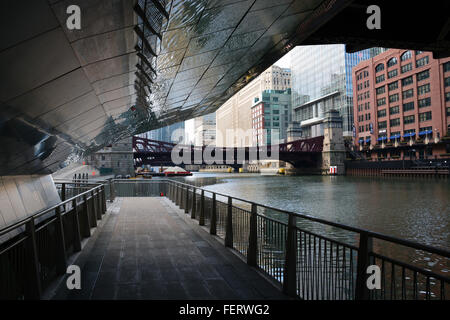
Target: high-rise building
(171,133)
(402,105)
(271,115)
(235,114)
(201,131)
(322,80)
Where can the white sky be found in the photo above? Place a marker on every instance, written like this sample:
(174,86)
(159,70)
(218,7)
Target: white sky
(284,62)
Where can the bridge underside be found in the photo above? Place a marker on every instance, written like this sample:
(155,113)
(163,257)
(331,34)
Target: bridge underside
(66,93)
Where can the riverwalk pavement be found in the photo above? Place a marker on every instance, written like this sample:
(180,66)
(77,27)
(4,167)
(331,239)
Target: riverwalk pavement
(147,248)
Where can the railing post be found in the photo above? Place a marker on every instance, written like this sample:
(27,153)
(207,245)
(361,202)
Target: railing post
(103,199)
(229,224)
(99,205)
(60,243)
(365,248)
(76,227)
(176,194)
(252,252)
(186,207)
(111,192)
(63,192)
(290,264)
(87,226)
(182,197)
(213,226)
(194,203)
(94,205)
(32,288)
(201,220)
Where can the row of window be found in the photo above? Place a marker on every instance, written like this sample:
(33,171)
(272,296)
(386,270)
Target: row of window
(425,116)
(396,109)
(366,106)
(404,57)
(405,94)
(362,75)
(365,84)
(422,103)
(408,67)
(363,96)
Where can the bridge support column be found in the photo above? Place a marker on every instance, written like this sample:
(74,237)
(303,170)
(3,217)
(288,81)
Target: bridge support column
(333,153)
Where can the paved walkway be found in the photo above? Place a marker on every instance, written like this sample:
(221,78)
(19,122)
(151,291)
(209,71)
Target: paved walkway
(148,249)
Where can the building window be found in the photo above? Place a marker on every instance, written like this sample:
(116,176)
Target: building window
(418,52)
(423,75)
(379,67)
(447,96)
(424,102)
(448,112)
(381,102)
(407,93)
(422,62)
(447,82)
(407,81)
(394,123)
(406,68)
(394,110)
(275,99)
(423,89)
(103,158)
(393,86)
(406,56)
(408,106)
(382,125)
(382,113)
(379,79)
(392,62)
(425,116)
(408,119)
(392,73)
(381,90)
(367,116)
(393,97)
(447,66)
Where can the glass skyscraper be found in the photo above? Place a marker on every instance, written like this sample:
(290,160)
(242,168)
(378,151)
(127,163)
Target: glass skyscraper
(322,80)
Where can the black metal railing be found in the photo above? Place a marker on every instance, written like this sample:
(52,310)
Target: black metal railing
(37,247)
(297,251)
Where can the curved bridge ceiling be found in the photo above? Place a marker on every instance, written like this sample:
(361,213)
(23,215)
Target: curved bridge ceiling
(133,66)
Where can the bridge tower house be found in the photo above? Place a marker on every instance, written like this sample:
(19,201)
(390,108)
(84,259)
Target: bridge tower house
(333,153)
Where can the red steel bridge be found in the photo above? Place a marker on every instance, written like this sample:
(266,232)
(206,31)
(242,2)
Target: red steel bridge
(300,153)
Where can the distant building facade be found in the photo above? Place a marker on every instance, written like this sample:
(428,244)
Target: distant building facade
(170,133)
(116,159)
(271,114)
(402,105)
(235,115)
(321,81)
(201,131)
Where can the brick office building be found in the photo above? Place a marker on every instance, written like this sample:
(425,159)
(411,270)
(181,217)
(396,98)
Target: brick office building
(402,106)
